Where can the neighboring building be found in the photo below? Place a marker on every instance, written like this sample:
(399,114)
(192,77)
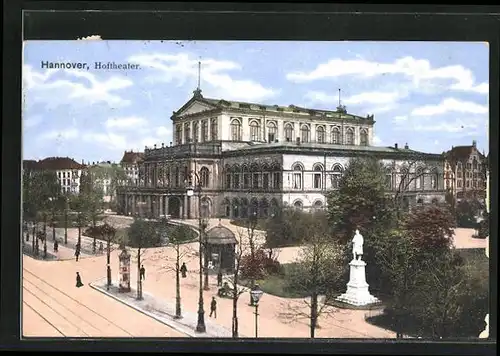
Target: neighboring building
(252,157)
(102,175)
(67,170)
(465,172)
(130,163)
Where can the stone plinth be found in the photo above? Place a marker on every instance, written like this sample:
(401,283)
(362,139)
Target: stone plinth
(357,289)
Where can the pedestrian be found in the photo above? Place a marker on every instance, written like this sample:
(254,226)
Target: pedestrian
(101,247)
(219,278)
(213,308)
(56,245)
(184,270)
(142,272)
(77,254)
(78,280)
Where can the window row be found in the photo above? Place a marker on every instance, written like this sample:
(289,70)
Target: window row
(304,133)
(200,131)
(265,180)
(173,177)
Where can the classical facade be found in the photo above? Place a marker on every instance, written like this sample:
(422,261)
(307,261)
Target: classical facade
(465,172)
(242,158)
(68,171)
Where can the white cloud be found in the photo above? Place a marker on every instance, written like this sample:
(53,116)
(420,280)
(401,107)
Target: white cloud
(111,140)
(377,141)
(373,98)
(32,121)
(450,105)
(41,87)
(65,134)
(400,119)
(180,68)
(456,126)
(417,70)
(125,122)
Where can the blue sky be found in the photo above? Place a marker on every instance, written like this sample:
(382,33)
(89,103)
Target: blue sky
(431,95)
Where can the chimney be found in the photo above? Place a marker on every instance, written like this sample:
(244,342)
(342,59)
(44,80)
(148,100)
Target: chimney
(298,141)
(406,146)
(474,143)
(396,146)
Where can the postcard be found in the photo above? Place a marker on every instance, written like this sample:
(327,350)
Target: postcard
(255,189)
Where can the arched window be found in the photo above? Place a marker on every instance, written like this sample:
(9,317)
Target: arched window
(187,132)
(349,136)
(204,177)
(236,170)
(335,136)
(204,131)
(195,131)
(388,179)
(419,178)
(298,205)
(254,131)
(205,207)
(272,132)
(318,205)
(320,134)
(434,178)
(336,175)
(317,176)
(363,137)
(246,177)
(178,134)
(304,133)
(214,129)
(288,132)
(297,176)
(404,181)
(236,130)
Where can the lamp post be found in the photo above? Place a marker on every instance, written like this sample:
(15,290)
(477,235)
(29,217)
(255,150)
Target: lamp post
(252,225)
(256,293)
(66,220)
(200,326)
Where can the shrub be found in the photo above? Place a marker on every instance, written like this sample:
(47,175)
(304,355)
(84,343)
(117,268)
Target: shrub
(260,266)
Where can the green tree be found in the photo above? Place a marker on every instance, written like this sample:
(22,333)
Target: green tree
(361,202)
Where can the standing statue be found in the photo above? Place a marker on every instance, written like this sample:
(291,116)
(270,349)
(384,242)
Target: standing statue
(357,245)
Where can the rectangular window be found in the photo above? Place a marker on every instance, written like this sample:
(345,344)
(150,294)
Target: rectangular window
(317,181)
(246,180)
(297,181)
(265,180)
(276,180)
(255,180)
(236,182)
(213,129)
(228,180)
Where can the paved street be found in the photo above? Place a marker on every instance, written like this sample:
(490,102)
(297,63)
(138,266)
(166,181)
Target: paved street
(52,305)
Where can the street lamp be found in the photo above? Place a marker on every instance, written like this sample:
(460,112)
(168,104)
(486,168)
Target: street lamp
(252,225)
(256,293)
(200,326)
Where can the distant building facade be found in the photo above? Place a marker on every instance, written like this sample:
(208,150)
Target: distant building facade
(68,171)
(465,172)
(130,163)
(254,158)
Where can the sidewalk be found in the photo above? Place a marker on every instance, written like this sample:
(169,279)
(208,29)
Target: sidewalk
(164,312)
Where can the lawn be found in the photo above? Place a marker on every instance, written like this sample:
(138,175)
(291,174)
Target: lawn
(279,284)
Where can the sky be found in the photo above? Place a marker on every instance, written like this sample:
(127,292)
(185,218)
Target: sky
(430,95)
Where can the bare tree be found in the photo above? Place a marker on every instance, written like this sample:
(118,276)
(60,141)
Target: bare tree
(236,289)
(320,263)
(251,225)
(175,237)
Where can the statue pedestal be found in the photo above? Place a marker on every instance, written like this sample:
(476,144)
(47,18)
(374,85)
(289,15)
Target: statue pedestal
(357,289)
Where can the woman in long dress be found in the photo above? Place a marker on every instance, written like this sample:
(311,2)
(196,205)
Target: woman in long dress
(78,280)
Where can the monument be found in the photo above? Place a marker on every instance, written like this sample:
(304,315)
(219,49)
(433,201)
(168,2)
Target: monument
(357,293)
(124,285)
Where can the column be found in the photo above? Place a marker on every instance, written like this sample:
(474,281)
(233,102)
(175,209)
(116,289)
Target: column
(185,207)
(160,205)
(166,203)
(148,203)
(125,205)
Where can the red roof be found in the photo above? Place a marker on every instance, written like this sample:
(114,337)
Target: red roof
(58,163)
(132,157)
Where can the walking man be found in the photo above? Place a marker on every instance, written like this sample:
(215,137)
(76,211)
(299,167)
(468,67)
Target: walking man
(183,270)
(213,308)
(77,252)
(219,278)
(56,245)
(142,272)
(101,247)
(78,280)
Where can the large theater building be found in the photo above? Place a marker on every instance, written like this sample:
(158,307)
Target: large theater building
(244,157)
